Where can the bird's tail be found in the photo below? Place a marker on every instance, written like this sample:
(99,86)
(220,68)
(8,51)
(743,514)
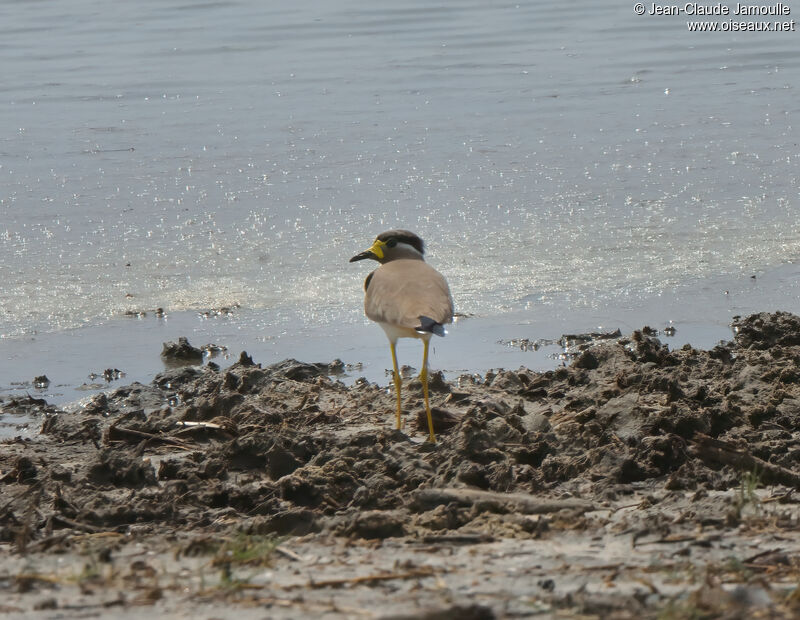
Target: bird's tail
(427,324)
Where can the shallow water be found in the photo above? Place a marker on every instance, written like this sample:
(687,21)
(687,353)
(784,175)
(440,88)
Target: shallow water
(569,166)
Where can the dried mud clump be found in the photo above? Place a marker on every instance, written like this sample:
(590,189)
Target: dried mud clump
(181,351)
(765,330)
(287,450)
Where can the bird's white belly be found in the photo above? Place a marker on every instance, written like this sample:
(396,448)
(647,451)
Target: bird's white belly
(393,332)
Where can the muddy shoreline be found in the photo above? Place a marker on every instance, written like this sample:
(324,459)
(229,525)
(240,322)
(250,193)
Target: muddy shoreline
(636,482)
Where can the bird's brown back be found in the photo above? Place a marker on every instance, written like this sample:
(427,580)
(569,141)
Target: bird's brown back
(401,291)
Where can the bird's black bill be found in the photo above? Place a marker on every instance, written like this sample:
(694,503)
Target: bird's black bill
(362,256)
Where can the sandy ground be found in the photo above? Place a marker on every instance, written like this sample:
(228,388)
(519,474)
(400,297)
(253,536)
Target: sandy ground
(637,482)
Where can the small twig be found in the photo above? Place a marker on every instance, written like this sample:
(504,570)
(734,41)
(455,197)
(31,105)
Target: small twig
(320,416)
(333,583)
(26,491)
(602,567)
(112,430)
(309,607)
(198,424)
(85,527)
(707,448)
(759,555)
(25,533)
(119,601)
(618,508)
(46,543)
(783,497)
(31,577)
(668,540)
(289,554)
(520,502)
(648,584)
(96,535)
(459,539)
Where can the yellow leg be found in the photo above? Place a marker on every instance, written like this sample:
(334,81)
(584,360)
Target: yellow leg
(398,382)
(423,376)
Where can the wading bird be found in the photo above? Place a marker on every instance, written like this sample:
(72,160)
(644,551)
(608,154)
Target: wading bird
(408,298)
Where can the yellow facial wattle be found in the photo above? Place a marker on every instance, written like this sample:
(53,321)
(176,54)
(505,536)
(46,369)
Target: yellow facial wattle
(377,248)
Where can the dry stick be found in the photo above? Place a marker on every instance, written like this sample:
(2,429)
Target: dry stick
(25,533)
(602,567)
(709,449)
(188,424)
(33,577)
(526,504)
(46,543)
(289,554)
(26,491)
(679,539)
(618,508)
(420,572)
(761,554)
(141,434)
(77,525)
(308,606)
(467,539)
(777,498)
(186,428)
